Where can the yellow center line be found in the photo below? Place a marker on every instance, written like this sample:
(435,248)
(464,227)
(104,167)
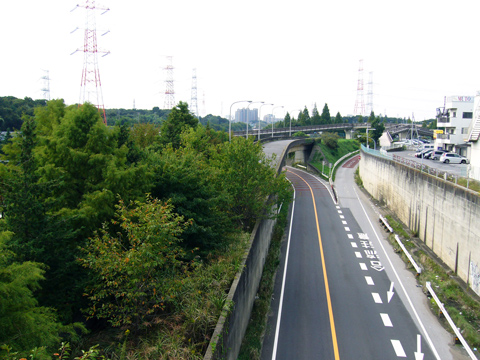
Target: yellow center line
(327,289)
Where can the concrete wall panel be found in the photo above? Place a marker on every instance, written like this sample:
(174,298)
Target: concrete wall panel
(445,216)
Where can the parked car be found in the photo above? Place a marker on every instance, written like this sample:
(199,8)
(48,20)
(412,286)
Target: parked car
(423,153)
(453,158)
(435,155)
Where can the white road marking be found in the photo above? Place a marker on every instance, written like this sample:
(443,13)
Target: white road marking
(386,320)
(377,298)
(350,236)
(342,217)
(358,254)
(347,228)
(369,280)
(397,346)
(344,222)
(339,211)
(363,267)
(354,244)
(429,340)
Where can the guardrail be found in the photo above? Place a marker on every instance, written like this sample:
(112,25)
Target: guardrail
(450,321)
(385,224)
(418,269)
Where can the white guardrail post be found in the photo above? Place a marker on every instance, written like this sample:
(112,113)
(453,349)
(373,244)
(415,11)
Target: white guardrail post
(450,321)
(417,268)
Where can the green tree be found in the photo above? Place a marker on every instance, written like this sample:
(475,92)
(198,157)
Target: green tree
(179,119)
(23,324)
(186,179)
(316,119)
(250,182)
(326,115)
(330,140)
(338,118)
(287,120)
(136,273)
(377,128)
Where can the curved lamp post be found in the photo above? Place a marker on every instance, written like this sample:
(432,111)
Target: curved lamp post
(248,108)
(273,116)
(260,109)
(290,132)
(230,121)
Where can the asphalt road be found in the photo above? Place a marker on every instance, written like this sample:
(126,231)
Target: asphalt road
(338,293)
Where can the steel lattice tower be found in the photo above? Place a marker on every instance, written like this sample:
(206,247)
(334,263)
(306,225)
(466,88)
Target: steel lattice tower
(370,94)
(91,86)
(194,100)
(169,102)
(359,103)
(46,85)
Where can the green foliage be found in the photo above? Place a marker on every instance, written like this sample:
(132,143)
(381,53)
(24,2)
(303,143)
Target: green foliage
(326,119)
(187,179)
(12,110)
(23,324)
(250,182)
(330,140)
(136,274)
(179,119)
(299,134)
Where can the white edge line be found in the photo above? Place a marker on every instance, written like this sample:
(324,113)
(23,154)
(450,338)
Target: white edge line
(434,350)
(280,306)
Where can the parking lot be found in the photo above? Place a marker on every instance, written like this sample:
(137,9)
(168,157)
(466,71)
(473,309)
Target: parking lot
(454,169)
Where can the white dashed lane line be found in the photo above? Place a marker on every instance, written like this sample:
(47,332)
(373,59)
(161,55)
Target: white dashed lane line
(397,346)
(386,320)
(377,298)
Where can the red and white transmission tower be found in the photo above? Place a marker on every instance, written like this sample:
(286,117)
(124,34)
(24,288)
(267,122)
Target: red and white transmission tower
(169,101)
(359,103)
(91,86)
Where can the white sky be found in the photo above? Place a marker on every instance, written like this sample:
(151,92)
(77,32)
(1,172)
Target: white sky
(290,53)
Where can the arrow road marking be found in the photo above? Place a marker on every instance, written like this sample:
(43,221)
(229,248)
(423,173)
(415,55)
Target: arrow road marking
(390,292)
(419,355)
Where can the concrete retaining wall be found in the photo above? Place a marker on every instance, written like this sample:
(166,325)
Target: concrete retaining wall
(444,215)
(232,324)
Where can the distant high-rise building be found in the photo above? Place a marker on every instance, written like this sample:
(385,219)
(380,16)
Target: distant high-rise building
(244,115)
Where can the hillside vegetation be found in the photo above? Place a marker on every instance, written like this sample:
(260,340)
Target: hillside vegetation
(131,234)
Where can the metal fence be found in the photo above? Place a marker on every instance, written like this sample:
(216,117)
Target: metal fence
(459,180)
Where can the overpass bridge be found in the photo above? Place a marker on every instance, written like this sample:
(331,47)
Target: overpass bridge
(348,128)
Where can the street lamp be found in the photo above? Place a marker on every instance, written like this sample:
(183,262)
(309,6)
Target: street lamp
(230,121)
(260,109)
(290,132)
(273,116)
(248,108)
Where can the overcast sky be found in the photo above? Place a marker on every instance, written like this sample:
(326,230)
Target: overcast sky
(290,53)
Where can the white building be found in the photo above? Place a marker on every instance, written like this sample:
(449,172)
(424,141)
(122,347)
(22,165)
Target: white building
(455,119)
(473,138)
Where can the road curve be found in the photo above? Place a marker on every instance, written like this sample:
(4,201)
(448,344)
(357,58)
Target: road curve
(333,297)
